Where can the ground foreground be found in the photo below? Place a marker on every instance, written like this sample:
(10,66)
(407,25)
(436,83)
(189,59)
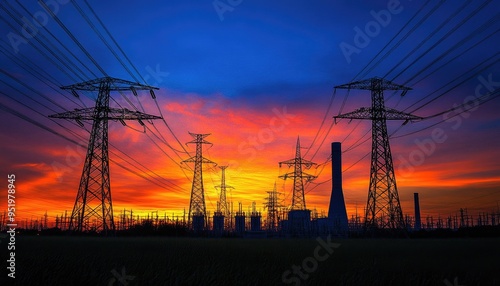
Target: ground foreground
(192,261)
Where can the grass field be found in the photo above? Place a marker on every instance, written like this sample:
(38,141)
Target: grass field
(190,261)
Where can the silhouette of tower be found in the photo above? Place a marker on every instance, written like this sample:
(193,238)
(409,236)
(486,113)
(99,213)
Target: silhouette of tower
(418,223)
(383,209)
(197,216)
(93,202)
(298,197)
(272,204)
(223,205)
(337,214)
(255,218)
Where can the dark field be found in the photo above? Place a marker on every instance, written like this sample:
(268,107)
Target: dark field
(191,261)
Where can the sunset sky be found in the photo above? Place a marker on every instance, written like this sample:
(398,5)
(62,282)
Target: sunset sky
(255,75)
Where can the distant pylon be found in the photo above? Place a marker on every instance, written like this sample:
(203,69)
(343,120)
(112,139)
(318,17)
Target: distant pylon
(298,196)
(93,201)
(383,209)
(223,206)
(197,203)
(272,205)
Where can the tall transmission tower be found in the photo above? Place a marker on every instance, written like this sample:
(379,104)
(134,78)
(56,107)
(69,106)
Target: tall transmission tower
(93,202)
(272,205)
(197,205)
(298,197)
(223,205)
(383,209)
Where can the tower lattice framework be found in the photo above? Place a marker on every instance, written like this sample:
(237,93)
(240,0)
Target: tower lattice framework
(223,205)
(93,209)
(272,205)
(383,209)
(298,195)
(197,202)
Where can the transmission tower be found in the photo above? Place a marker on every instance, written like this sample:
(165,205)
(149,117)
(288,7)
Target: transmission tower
(298,197)
(383,209)
(223,205)
(197,205)
(93,201)
(272,204)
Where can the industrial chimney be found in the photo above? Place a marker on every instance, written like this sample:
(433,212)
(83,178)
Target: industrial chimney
(337,214)
(418,223)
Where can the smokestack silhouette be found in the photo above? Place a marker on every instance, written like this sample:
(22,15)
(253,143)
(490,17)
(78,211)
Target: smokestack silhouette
(418,223)
(337,214)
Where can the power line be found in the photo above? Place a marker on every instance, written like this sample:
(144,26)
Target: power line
(454,86)
(389,42)
(113,39)
(454,29)
(417,25)
(430,35)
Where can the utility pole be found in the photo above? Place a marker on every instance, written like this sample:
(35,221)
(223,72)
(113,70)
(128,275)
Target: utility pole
(197,207)
(93,200)
(383,207)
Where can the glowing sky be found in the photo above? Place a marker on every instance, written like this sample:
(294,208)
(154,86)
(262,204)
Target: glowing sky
(256,75)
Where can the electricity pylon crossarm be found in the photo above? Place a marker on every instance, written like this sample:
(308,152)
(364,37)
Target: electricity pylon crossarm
(93,209)
(298,195)
(223,205)
(272,205)
(197,204)
(383,206)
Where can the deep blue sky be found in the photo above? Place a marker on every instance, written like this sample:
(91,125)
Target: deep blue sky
(262,46)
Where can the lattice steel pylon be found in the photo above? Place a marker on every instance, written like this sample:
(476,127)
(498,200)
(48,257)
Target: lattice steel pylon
(197,202)
(272,205)
(93,204)
(383,209)
(223,206)
(298,196)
